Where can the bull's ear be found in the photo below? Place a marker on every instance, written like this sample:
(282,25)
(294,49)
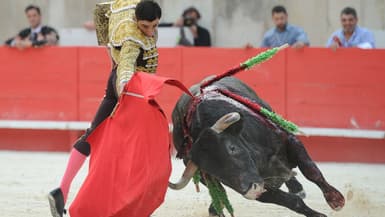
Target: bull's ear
(225,121)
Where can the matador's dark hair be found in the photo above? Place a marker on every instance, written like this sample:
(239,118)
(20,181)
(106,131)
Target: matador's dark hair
(148,10)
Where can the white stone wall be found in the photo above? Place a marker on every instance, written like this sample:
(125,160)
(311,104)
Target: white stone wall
(232,23)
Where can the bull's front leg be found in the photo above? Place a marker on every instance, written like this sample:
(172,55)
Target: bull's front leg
(295,187)
(290,201)
(309,169)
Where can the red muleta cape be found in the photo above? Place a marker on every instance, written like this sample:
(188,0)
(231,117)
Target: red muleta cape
(130,156)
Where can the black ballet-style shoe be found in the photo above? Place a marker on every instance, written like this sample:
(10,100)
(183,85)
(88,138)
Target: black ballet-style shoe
(56,203)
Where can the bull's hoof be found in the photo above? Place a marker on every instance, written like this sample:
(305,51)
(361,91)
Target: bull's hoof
(213,212)
(334,198)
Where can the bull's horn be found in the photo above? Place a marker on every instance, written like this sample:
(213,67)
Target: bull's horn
(188,173)
(225,121)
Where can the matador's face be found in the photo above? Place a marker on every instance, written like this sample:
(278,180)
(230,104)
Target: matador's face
(148,27)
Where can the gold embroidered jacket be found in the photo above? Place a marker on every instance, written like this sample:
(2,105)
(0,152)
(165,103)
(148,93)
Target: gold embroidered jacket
(130,49)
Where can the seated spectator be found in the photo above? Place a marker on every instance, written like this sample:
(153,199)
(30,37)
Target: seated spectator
(351,35)
(196,35)
(283,32)
(36,35)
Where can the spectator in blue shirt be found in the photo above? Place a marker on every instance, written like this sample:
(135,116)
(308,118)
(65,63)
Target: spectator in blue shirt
(283,32)
(351,35)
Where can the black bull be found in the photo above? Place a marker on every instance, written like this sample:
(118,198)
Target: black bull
(243,150)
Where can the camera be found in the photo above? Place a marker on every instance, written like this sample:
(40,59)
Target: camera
(189,21)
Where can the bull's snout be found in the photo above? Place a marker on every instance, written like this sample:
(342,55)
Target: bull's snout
(255,191)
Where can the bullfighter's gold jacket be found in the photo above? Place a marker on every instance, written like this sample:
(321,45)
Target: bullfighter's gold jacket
(130,49)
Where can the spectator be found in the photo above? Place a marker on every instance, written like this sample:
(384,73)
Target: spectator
(351,35)
(36,35)
(189,20)
(283,32)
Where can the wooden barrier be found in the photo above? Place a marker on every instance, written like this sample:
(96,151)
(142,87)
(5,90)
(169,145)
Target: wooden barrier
(51,93)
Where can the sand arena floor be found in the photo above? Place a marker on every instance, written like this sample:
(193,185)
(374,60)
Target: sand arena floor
(27,177)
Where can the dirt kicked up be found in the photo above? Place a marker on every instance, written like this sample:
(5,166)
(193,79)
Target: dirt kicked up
(27,177)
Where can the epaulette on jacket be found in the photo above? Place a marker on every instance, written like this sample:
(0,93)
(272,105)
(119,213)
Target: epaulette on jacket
(115,23)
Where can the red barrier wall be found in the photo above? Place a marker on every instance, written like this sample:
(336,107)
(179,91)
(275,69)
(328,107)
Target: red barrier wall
(38,84)
(342,89)
(312,87)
